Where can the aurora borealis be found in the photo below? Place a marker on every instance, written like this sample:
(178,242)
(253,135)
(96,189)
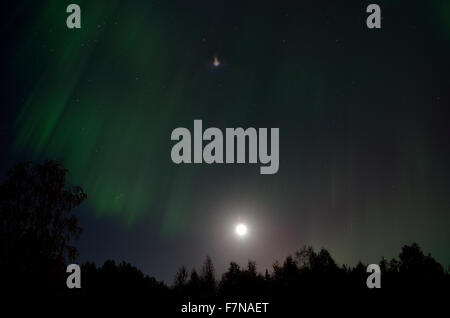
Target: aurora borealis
(363,117)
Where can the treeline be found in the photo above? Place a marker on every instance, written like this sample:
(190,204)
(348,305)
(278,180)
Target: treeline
(305,271)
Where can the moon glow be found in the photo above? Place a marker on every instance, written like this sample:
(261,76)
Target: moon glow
(241,230)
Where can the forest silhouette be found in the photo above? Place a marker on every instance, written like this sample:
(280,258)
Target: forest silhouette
(37,225)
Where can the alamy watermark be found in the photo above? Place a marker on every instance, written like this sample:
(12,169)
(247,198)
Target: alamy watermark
(256,141)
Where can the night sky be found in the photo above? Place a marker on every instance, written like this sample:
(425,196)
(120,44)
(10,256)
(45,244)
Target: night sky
(363,118)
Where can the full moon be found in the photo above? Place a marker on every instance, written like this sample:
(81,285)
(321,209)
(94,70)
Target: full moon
(241,229)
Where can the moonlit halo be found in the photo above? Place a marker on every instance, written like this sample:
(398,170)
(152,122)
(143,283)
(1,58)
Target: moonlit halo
(241,229)
(216,62)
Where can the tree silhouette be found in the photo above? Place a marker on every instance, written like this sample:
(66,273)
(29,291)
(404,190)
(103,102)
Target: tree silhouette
(208,279)
(37,223)
(418,269)
(193,286)
(243,282)
(231,280)
(181,278)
